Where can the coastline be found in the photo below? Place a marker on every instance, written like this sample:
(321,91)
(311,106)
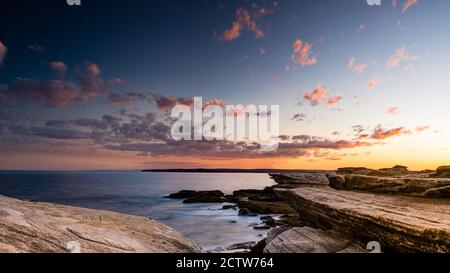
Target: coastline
(34,227)
(344,211)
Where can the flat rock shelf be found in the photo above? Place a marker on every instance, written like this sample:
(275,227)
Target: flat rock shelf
(310,240)
(401,223)
(42,227)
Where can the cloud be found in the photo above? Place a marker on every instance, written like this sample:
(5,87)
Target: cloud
(373,83)
(246,20)
(59,67)
(333,100)
(165,103)
(409,4)
(302,54)
(422,128)
(36,47)
(3,51)
(399,56)
(299,117)
(380,134)
(60,93)
(319,95)
(115,98)
(357,68)
(216,102)
(315,96)
(360,28)
(393,111)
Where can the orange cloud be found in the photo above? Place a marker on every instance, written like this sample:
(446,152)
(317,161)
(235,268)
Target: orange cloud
(409,4)
(399,56)
(422,128)
(393,111)
(334,100)
(357,68)
(3,51)
(246,20)
(216,102)
(302,52)
(379,133)
(373,83)
(316,96)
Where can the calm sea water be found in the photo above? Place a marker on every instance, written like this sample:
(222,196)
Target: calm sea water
(140,193)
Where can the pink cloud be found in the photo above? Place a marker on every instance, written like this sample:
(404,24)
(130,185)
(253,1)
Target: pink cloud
(380,134)
(422,128)
(216,102)
(165,103)
(334,100)
(373,83)
(3,51)
(316,96)
(59,67)
(399,56)
(357,68)
(246,19)
(302,53)
(393,111)
(409,4)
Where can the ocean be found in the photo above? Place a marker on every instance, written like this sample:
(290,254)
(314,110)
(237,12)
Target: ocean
(142,194)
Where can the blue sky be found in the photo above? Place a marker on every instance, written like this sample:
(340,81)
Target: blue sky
(179,49)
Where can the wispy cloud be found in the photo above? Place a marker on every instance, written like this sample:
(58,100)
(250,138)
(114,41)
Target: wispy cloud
(302,53)
(373,83)
(246,20)
(36,47)
(357,68)
(299,117)
(399,56)
(393,111)
(409,4)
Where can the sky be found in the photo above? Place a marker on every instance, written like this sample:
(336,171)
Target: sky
(91,87)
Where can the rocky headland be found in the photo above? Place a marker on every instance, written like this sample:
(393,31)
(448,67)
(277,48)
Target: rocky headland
(346,211)
(32,227)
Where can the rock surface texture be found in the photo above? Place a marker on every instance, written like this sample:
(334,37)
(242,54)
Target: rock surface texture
(42,227)
(428,187)
(400,223)
(309,240)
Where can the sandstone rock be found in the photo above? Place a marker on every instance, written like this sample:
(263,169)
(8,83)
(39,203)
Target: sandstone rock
(400,223)
(43,227)
(358,170)
(310,240)
(416,186)
(300,178)
(442,172)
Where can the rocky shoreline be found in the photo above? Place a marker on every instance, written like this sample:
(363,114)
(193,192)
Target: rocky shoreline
(345,211)
(32,227)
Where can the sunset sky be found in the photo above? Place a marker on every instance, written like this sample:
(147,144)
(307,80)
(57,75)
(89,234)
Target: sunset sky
(91,87)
